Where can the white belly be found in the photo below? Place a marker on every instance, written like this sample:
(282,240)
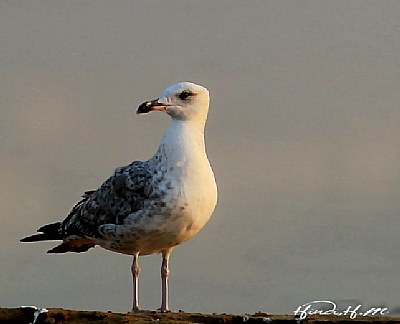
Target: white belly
(191,211)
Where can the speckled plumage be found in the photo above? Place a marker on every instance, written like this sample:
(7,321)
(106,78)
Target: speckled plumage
(121,195)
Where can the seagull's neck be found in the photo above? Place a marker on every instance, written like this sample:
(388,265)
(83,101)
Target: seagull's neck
(183,143)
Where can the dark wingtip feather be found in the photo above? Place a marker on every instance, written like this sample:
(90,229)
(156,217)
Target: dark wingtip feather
(32,238)
(48,232)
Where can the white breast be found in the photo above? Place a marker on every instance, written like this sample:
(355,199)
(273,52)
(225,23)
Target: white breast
(182,154)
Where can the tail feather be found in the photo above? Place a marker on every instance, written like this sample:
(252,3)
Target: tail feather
(65,247)
(49,232)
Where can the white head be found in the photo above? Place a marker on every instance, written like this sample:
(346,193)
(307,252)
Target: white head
(182,101)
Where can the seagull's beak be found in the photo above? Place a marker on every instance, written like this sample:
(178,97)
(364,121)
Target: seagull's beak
(151,105)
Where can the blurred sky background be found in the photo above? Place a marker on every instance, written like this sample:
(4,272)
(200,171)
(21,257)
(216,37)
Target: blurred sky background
(303,135)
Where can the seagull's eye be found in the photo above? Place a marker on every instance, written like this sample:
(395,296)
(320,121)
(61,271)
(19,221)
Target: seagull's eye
(184,95)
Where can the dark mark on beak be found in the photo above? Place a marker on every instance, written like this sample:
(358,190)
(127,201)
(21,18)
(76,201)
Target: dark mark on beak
(151,105)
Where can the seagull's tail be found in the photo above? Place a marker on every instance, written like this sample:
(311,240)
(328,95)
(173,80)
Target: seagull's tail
(49,232)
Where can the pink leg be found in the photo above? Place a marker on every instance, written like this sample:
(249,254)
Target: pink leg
(164,280)
(135,276)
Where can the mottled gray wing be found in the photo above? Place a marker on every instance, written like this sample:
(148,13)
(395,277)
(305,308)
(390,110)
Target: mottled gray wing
(119,196)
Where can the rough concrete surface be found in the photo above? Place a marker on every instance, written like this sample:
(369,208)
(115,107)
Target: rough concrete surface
(26,315)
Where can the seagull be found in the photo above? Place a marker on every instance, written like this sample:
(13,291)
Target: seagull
(149,206)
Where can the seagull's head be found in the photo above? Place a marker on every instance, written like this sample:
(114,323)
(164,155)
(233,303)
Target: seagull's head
(182,101)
